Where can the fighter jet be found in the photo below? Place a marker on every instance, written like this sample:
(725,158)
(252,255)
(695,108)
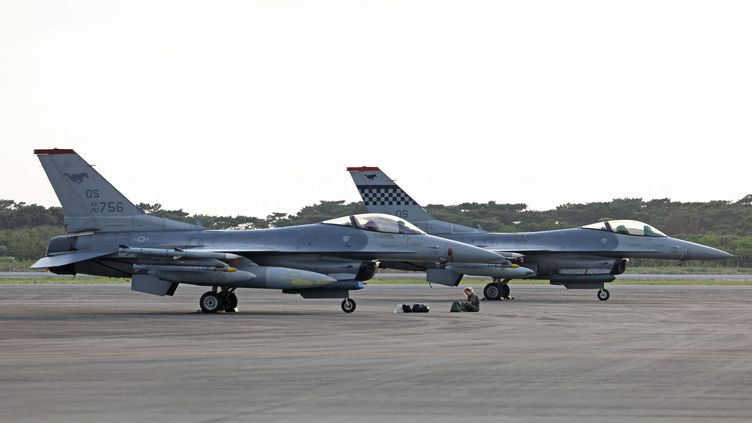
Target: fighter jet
(109,236)
(577,258)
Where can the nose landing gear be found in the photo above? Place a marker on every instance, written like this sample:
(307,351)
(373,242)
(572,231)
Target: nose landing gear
(348,305)
(603,294)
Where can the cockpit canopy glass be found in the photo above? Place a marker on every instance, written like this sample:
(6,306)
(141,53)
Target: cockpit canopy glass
(626,227)
(601,226)
(376,222)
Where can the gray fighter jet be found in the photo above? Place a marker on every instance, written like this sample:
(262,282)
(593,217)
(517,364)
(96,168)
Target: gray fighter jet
(577,258)
(112,237)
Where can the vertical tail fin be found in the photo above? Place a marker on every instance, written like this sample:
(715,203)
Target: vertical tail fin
(90,203)
(381,195)
(81,189)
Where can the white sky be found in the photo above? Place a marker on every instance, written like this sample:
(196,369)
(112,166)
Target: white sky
(250,107)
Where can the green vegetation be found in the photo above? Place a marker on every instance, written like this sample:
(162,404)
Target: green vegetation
(10,264)
(25,229)
(26,243)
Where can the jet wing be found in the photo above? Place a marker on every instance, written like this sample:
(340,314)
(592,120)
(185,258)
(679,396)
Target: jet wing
(68,258)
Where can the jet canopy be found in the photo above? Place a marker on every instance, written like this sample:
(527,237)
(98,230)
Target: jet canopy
(376,222)
(626,227)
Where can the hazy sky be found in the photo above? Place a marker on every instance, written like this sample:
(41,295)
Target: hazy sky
(250,107)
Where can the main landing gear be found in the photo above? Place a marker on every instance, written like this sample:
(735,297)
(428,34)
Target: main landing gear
(603,294)
(497,290)
(215,301)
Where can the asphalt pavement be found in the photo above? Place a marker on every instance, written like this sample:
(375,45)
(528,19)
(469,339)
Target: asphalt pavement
(77,353)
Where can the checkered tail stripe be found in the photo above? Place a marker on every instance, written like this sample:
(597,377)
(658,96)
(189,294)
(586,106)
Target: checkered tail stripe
(386,195)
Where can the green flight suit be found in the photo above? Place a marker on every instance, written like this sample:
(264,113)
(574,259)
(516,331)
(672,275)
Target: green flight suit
(472,303)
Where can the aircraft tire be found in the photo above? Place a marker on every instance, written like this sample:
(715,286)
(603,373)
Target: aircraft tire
(492,291)
(210,302)
(232,303)
(348,305)
(603,294)
(503,290)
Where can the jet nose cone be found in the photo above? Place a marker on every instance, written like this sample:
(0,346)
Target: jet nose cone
(710,253)
(703,252)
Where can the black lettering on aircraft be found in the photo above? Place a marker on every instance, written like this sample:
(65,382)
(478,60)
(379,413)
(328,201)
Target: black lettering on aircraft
(108,206)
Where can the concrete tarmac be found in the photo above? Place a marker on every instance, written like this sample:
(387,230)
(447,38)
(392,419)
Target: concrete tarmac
(79,353)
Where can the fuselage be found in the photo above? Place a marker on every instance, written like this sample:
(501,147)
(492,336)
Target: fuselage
(325,248)
(590,241)
(576,254)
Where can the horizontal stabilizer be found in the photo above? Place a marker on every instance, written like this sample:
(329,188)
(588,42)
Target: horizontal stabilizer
(68,258)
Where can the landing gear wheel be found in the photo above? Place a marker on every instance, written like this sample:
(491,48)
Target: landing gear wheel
(504,290)
(603,294)
(492,291)
(348,305)
(210,302)
(232,303)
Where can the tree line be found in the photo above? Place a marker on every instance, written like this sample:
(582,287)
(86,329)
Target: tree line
(25,228)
